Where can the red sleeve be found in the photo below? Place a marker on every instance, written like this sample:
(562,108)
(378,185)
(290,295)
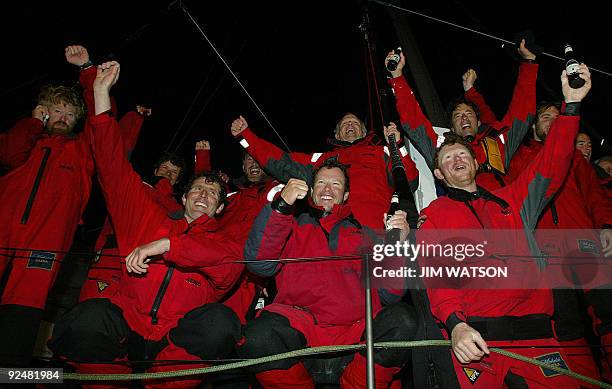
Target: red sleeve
(212,254)
(202,161)
(86,79)
(280,164)
(135,215)
(17,143)
(517,121)
(129,126)
(412,173)
(408,108)
(415,124)
(543,176)
(523,101)
(487,116)
(269,234)
(594,197)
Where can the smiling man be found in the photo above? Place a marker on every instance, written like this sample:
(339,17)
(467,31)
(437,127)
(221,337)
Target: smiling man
(352,145)
(493,141)
(165,307)
(477,319)
(319,302)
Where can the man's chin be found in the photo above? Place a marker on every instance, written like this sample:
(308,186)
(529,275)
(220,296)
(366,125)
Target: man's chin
(60,130)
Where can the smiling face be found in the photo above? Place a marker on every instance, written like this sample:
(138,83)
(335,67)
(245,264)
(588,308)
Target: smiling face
(350,129)
(329,188)
(168,170)
(583,143)
(457,167)
(464,120)
(202,198)
(252,170)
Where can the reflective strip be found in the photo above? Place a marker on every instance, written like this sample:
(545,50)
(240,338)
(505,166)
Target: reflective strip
(386,150)
(403,151)
(274,191)
(502,138)
(315,157)
(231,194)
(244,143)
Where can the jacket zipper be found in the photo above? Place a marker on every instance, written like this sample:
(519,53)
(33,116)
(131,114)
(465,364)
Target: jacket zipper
(160,294)
(39,174)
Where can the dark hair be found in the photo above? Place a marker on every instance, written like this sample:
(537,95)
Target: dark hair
(458,101)
(450,138)
(59,94)
(330,163)
(211,177)
(174,159)
(544,105)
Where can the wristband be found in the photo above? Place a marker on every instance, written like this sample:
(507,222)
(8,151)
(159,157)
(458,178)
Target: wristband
(572,109)
(86,65)
(454,319)
(281,206)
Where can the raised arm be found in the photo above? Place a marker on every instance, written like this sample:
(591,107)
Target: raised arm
(278,163)
(79,56)
(128,203)
(202,157)
(540,180)
(415,124)
(487,116)
(521,112)
(130,126)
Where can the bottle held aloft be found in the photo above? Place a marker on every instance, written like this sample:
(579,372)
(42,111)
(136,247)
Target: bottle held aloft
(571,67)
(394,60)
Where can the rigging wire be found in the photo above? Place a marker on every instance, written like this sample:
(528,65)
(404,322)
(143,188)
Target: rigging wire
(209,99)
(188,15)
(474,31)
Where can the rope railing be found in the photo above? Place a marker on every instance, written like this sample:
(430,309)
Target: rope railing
(318,351)
(493,256)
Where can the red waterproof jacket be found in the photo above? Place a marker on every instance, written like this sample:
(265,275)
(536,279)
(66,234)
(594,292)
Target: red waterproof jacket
(244,205)
(581,205)
(236,221)
(16,144)
(525,198)
(507,133)
(369,173)
(581,202)
(197,270)
(331,290)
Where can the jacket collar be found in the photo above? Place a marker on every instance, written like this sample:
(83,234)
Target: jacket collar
(203,223)
(465,196)
(329,219)
(242,183)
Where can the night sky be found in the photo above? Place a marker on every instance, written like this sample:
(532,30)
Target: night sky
(302,62)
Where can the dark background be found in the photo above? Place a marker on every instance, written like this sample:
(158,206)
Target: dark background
(303,62)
